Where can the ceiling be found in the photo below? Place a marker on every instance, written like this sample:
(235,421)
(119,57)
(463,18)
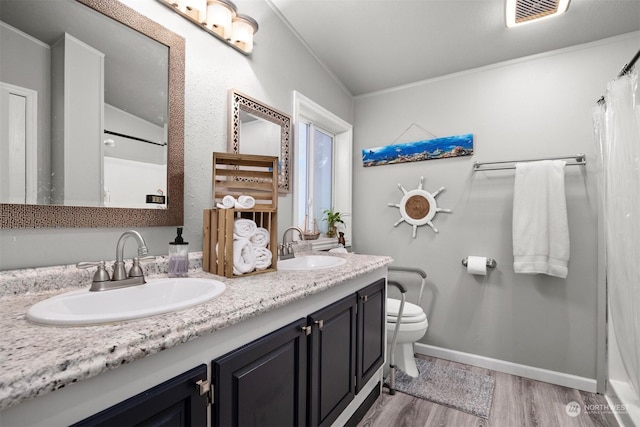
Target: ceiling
(372,45)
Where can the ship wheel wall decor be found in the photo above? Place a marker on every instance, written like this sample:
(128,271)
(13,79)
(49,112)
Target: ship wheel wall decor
(418,207)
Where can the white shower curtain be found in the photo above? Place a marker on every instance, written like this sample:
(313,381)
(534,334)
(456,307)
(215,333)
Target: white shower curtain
(617,133)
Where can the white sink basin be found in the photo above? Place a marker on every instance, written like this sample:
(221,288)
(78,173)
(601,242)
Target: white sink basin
(155,297)
(310,262)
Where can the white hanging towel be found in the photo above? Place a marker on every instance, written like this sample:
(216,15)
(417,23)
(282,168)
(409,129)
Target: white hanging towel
(540,226)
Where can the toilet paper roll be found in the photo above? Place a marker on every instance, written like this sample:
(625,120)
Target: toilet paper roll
(477,265)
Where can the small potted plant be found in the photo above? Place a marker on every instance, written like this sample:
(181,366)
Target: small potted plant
(332,219)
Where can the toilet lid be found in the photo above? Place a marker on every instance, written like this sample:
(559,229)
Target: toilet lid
(410,314)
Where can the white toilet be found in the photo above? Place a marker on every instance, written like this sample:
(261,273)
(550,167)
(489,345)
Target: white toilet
(413,324)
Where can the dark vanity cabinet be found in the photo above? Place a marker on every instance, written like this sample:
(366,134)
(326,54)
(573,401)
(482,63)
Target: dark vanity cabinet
(263,383)
(372,322)
(332,355)
(303,374)
(307,372)
(176,402)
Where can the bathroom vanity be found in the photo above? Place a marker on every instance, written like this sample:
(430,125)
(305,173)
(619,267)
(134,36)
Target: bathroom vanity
(302,348)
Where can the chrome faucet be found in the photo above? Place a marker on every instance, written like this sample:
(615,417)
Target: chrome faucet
(119,279)
(298,229)
(285,250)
(119,273)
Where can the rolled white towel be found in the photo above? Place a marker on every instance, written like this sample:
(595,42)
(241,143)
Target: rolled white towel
(263,258)
(260,238)
(244,259)
(245,202)
(228,202)
(244,228)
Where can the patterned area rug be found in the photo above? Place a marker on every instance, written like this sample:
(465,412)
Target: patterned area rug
(456,388)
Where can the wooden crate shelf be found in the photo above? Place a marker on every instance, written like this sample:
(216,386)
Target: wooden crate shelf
(217,249)
(236,175)
(246,174)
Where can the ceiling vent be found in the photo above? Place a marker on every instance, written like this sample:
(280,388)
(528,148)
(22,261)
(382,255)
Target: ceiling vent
(525,11)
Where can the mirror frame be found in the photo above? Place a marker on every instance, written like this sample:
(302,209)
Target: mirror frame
(241,102)
(40,216)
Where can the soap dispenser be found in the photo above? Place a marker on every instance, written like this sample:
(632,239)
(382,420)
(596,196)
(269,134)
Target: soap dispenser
(178,256)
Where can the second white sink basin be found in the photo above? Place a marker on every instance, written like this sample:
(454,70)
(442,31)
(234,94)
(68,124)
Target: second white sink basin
(310,262)
(155,297)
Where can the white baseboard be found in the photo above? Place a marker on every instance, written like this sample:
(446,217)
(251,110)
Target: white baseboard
(538,374)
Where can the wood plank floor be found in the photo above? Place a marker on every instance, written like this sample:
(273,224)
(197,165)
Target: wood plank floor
(517,401)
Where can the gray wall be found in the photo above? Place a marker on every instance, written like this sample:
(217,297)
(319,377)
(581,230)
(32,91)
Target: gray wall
(279,65)
(534,107)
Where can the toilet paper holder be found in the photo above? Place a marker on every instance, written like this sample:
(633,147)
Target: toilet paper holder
(491,263)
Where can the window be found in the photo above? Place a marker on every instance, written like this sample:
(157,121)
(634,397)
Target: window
(322,172)
(315,173)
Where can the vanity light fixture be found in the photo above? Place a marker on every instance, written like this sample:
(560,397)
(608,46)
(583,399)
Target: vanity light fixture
(244,27)
(219,18)
(195,9)
(519,12)
(220,14)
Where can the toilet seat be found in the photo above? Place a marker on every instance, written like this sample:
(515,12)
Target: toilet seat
(410,314)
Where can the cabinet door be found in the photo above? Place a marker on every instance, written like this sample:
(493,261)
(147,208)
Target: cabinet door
(176,402)
(371,331)
(332,354)
(263,383)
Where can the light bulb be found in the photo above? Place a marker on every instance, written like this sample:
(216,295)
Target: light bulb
(244,27)
(220,14)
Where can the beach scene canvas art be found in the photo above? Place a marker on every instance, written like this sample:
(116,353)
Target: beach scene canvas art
(428,149)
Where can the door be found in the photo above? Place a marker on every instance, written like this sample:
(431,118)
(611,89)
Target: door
(332,354)
(263,383)
(18,162)
(371,331)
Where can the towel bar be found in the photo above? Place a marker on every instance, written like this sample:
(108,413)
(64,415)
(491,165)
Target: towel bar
(579,160)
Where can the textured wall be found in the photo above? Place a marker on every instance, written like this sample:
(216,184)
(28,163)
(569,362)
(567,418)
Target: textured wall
(279,65)
(534,107)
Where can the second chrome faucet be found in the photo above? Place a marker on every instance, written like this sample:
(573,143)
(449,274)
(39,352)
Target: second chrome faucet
(285,250)
(119,278)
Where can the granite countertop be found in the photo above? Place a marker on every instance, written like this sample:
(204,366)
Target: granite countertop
(35,359)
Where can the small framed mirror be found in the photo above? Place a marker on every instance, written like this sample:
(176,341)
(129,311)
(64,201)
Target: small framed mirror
(256,128)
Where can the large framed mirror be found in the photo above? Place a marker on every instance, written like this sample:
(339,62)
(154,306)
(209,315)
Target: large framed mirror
(256,128)
(139,69)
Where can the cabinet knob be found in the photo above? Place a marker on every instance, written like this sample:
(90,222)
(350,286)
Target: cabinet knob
(319,323)
(204,387)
